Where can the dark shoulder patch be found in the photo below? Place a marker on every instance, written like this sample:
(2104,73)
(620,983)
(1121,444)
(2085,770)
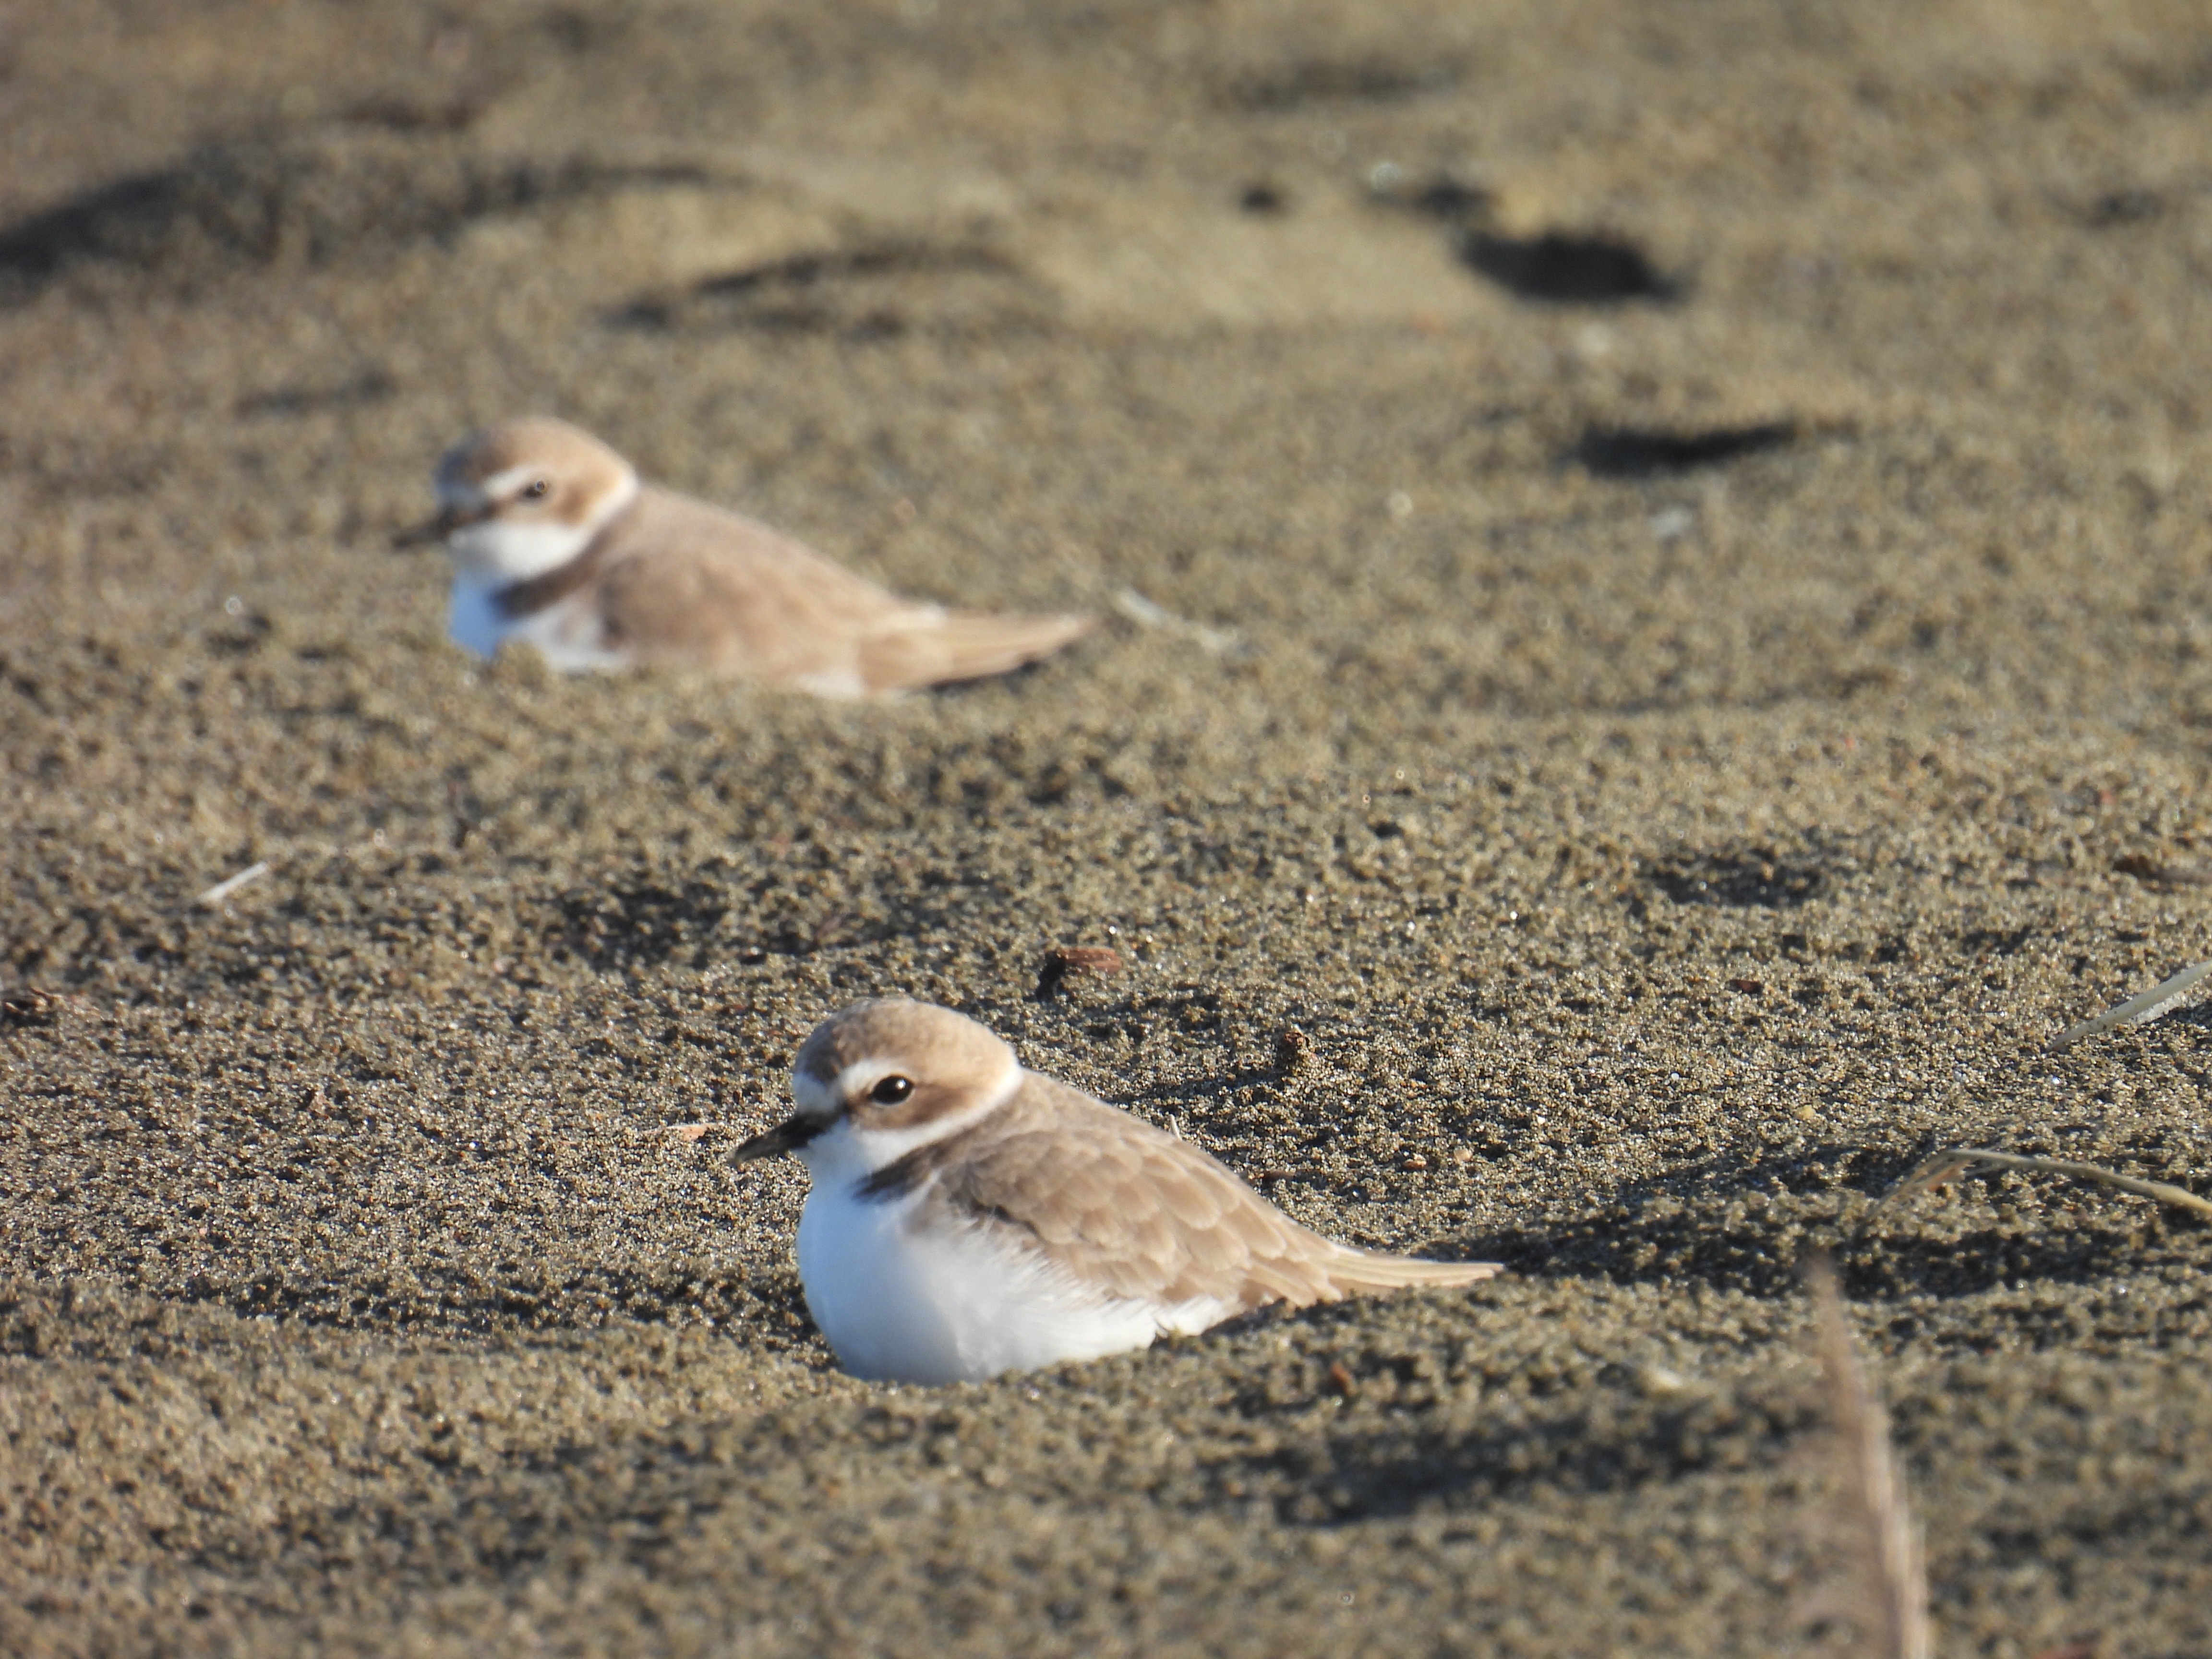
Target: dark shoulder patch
(916,1169)
(527,598)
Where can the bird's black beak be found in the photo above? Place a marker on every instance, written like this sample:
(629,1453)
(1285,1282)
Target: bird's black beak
(444,524)
(788,1136)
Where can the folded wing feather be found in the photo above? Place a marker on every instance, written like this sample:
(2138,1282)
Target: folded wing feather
(1148,1217)
(686,582)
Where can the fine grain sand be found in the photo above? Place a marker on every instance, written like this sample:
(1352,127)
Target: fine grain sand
(1674,558)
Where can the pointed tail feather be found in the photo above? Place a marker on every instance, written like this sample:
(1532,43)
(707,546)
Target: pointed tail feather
(962,645)
(1362,1270)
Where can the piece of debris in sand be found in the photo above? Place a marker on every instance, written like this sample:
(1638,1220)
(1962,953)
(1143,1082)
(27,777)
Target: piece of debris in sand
(223,890)
(1872,1513)
(2135,1010)
(1066,962)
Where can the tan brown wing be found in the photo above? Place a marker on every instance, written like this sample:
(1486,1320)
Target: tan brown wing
(934,649)
(1143,1215)
(686,582)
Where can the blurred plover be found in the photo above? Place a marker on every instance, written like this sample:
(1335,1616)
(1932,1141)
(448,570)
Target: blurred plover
(557,543)
(968,1217)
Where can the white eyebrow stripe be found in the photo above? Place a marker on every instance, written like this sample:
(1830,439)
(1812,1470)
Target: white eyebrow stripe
(886,1145)
(863,1075)
(501,485)
(827,1100)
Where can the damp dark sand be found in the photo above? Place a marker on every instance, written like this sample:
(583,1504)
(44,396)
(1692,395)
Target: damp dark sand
(1689,527)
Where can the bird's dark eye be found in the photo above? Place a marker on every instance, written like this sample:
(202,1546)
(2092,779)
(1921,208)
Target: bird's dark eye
(891,1091)
(535,490)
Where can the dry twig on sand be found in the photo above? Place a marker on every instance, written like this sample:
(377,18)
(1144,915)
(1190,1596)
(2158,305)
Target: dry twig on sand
(2135,1010)
(1145,614)
(1892,1604)
(1954,1160)
(223,890)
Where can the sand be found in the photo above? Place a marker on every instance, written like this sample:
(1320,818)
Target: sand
(1674,566)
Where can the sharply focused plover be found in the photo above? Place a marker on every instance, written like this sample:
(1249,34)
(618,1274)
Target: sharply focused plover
(556,542)
(968,1217)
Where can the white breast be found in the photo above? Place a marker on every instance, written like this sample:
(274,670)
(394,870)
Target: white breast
(567,634)
(905,1294)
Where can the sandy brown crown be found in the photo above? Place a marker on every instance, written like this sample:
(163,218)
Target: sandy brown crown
(579,470)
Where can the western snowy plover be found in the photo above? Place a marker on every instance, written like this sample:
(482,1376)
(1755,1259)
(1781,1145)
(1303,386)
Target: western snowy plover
(556,542)
(968,1217)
